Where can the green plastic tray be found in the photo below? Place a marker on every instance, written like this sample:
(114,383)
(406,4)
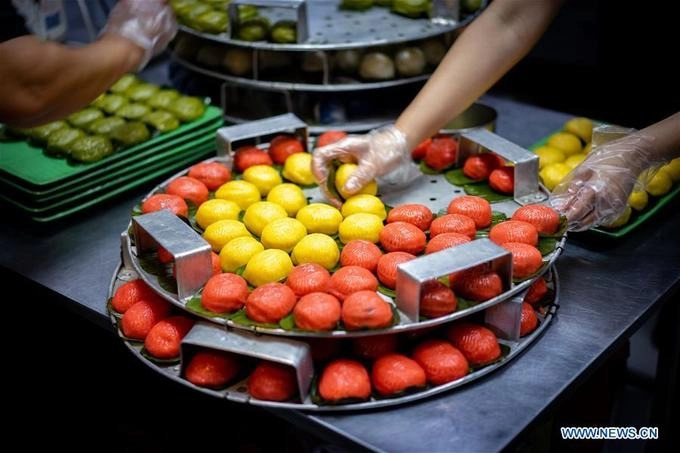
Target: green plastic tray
(153,160)
(636,219)
(165,148)
(108,190)
(28,164)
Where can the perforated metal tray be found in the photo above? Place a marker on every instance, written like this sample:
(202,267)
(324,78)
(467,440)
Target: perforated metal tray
(330,28)
(294,86)
(215,337)
(431,190)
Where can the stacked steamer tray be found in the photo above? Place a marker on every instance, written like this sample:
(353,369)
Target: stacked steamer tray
(46,187)
(305,362)
(347,69)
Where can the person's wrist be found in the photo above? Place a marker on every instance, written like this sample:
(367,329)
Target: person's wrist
(132,54)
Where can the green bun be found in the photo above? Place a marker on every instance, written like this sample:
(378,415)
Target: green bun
(131,133)
(161,120)
(284,31)
(124,83)
(84,117)
(141,92)
(91,148)
(187,108)
(42,133)
(60,142)
(133,111)
(105,126)
(110,103)
(163,98)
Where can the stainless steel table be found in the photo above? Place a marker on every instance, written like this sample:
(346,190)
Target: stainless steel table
(608,290)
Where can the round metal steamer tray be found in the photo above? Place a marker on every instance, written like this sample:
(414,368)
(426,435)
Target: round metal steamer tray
(330,28)
(237,392)
(431,190)
(291,86)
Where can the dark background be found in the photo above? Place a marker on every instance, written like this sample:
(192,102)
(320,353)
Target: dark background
(611,60)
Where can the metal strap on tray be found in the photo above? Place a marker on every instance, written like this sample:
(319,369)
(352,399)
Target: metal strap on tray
(526,189)
(254,129)
(190,251)
(295,354)
(299,6)
(412,275)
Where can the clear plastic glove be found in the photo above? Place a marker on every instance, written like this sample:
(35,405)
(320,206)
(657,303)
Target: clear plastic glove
(596,192)
(150,24)
(381,152)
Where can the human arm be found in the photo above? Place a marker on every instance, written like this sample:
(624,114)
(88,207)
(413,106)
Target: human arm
(483,53)
(596,192)
(43,81)
(487,49)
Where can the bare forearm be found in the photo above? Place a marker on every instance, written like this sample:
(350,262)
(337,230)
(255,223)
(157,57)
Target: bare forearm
(666,143)
(43,81)
(489,47)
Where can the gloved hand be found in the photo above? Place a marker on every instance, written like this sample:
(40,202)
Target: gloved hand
(150,24)
(596,192)
(381,152)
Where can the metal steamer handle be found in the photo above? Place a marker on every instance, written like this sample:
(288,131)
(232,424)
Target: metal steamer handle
(299,6)
(412,275)
(191,253)
(526,187)
(295,354)
(287,122)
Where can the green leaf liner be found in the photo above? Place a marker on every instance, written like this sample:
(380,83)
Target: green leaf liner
(396,319)
(137,209)
(240,270)
(382,289)
(330,182)
(194,305)
(288,322)
(498,217)
(483,190)
(239,317)
(341,245)
(156,360)
(546,245)
(457,178)
(464,304)
(426,169)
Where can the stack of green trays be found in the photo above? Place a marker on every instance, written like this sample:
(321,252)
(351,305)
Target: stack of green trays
(48,188)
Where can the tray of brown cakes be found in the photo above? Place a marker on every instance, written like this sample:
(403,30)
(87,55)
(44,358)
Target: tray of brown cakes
(238,278)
